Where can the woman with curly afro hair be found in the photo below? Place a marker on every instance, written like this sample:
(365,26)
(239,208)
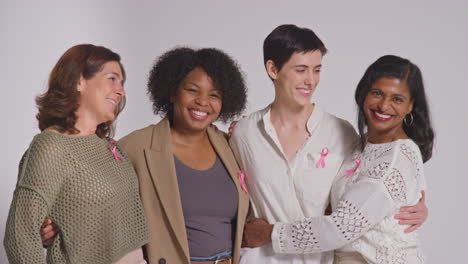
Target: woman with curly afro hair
(191,187)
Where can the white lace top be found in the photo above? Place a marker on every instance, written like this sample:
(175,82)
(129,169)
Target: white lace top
(364,203)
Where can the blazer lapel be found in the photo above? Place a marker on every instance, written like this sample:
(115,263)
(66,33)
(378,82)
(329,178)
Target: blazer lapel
(160,161)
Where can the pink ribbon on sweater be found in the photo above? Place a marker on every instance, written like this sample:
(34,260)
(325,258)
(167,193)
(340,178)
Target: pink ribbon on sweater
(323,155)
(349,173)
(241,175)
(113,148)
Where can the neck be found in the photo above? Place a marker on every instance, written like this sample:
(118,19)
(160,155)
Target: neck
(290,116)
(85,123)
(186,137)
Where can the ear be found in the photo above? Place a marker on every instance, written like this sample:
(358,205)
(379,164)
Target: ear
(81,84)
(271,69)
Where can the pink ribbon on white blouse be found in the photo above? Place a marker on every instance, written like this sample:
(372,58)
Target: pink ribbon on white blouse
(349,173)
(241,175)
(113,148)
(323,155)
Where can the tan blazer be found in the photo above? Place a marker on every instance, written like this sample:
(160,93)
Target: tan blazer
(150,150)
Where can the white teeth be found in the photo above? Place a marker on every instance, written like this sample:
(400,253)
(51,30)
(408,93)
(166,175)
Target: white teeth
(112,101)
(382,115)
(198,113)
(307,91)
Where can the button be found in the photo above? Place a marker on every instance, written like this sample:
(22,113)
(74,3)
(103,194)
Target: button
(162,261)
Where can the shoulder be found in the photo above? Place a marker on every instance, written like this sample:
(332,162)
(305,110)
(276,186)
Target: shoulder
(46,157)
(400,156)
(249,124)
(47,143)
(342,125)
(139,137)
(341,131)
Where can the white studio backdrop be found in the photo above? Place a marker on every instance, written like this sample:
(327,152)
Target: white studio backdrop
(434,35)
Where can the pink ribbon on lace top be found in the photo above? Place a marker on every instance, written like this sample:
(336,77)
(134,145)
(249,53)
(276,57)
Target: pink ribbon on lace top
(350,173)
(323,155)
(241,176)
(113,148)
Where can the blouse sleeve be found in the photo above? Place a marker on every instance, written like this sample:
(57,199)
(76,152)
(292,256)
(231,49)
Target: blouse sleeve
(379,189)
(29,206)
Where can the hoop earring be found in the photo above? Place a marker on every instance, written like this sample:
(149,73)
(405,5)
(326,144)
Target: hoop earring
(408,124)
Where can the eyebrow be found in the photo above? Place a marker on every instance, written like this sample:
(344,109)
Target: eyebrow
(115,73)
(306,66)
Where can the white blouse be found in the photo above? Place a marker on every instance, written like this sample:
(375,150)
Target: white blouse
(287,191)
(365,199)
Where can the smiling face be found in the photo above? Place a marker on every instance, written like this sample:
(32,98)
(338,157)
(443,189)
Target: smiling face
(385,107)
(296,81)
(197,103)
(100,95)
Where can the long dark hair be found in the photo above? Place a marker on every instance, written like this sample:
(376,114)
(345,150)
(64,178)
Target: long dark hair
(57,106)
(390,66)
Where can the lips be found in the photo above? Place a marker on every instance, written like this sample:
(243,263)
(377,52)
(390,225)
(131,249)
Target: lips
(304,91)
(199,115)
(380,116)
(112,101)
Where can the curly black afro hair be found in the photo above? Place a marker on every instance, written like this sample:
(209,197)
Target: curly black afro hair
(171,68)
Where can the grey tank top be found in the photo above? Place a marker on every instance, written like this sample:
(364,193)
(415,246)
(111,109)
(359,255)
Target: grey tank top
(209,203)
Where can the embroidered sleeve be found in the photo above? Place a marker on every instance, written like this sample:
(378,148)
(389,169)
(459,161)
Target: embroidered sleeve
(380,187)
(359,209)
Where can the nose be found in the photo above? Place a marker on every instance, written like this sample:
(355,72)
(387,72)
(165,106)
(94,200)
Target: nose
(383,104)
(202,100)
(310,78)
(120,90)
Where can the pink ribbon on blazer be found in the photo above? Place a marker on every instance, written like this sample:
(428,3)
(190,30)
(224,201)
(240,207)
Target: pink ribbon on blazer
(241,176)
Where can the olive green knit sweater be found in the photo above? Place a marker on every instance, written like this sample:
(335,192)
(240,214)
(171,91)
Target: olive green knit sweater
(91,196)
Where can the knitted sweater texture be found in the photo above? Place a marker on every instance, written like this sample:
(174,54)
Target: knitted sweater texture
(91,196)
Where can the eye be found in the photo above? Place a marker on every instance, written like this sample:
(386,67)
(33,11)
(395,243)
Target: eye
(191,90)
(398,99)
(376,93)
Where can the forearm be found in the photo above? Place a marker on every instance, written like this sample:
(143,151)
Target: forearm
(349,221)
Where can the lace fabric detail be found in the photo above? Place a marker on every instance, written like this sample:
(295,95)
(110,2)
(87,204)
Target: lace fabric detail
(410,153)
(389,254)
(303,239)
(396,186)
(349,220)
(378,171)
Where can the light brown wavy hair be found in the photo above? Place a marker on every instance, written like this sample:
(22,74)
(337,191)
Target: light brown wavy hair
(58,105)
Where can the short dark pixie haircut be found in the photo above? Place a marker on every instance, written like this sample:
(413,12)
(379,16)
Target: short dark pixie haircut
(390,66)
(171,68)
(284,40)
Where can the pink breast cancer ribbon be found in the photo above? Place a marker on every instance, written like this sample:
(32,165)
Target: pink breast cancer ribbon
(113,148)
(323,155)
(242,180)
(350,173)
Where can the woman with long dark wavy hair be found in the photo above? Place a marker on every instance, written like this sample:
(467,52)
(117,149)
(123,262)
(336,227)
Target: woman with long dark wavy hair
(75,174)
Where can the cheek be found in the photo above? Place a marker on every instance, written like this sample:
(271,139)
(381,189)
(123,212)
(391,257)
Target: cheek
(217,105)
